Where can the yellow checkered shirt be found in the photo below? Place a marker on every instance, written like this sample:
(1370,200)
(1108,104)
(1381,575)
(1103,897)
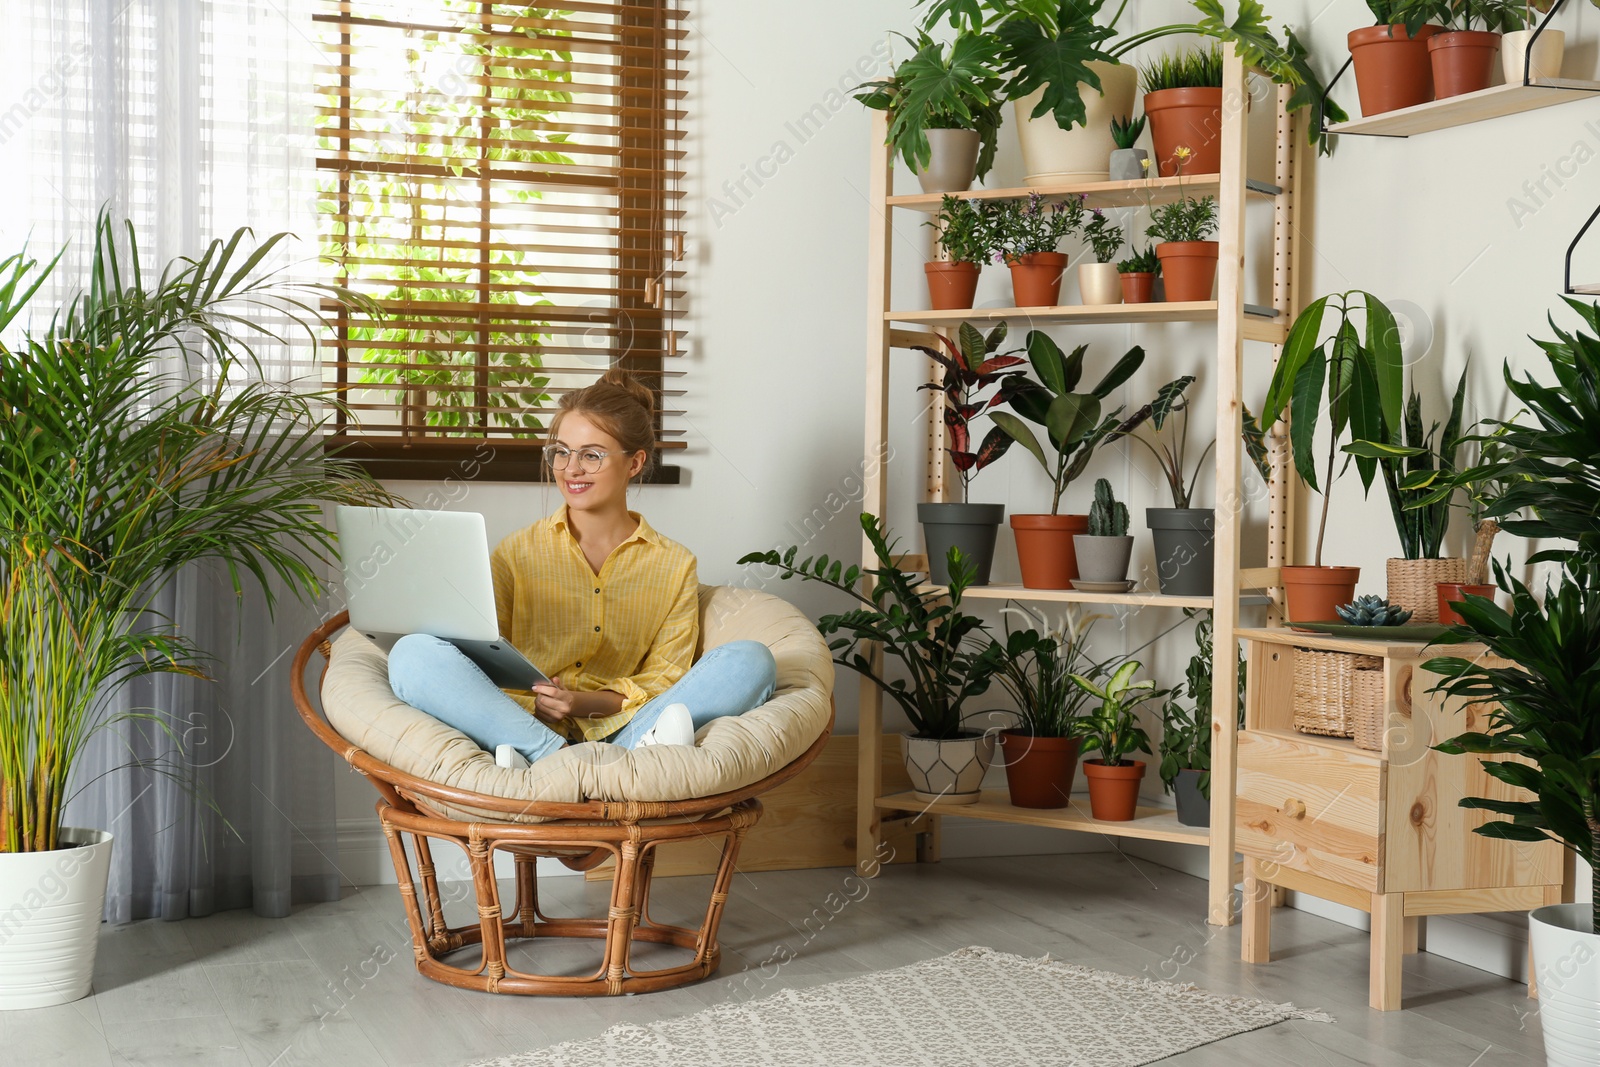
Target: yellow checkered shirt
(631,629)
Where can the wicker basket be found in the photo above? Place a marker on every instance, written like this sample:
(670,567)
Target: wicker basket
(1413,583)
(1367,708)
(1325,691)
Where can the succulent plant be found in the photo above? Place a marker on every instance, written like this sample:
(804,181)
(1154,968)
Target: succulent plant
(1372,610)
(1107,517)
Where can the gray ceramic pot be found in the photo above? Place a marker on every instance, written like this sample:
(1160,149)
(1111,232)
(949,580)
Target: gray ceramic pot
(1103,559)
(1127,164)
(1193,807)
(954,164)
(948,772)
(1185,541)
(969,527)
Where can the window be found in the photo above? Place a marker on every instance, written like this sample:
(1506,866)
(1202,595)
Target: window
(499,183)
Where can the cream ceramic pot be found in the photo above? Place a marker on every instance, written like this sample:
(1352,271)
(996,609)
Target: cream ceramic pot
(1083,153)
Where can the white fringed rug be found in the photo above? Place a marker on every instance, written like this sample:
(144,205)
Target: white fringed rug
(973,1008)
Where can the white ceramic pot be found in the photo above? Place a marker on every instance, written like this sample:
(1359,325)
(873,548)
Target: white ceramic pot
(50,905)
(1548,51)
(953,164)
(948,772)
(1566,962)
(1083,153)
(1099,283)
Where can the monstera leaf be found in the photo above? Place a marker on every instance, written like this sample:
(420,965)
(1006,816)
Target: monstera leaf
(1056,62)
(1250,37)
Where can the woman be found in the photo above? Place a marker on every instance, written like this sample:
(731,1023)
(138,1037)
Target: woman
(595,595)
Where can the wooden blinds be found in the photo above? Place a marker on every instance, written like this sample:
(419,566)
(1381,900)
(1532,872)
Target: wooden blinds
(501,182)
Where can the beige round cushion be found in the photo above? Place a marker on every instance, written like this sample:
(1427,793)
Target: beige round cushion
(729,752)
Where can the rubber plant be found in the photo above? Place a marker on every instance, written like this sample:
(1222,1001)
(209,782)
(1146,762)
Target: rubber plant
(1544,704)
(1356,375)
(121,464)
(1073,422)
(1048,44)
(941,87)
(970,366)
(941,648)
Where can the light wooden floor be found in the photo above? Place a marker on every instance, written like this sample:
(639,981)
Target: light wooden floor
(334,984)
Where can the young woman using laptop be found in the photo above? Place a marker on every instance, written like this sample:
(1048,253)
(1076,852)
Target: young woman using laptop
(604,604)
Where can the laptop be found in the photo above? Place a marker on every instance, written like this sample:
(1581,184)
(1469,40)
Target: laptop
(427,572)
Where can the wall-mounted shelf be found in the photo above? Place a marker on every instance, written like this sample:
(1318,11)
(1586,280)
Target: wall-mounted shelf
(1491,103)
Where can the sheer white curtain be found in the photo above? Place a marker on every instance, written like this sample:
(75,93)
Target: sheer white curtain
(189,118)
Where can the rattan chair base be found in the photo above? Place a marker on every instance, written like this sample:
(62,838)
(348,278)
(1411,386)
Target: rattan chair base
(627,920)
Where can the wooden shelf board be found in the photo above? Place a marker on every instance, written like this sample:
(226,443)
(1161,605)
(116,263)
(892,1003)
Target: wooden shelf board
(1490,103)
(1006,591)
(1135,193)
(1376,646)
(1152,824)
(1183,311)
(1586,290)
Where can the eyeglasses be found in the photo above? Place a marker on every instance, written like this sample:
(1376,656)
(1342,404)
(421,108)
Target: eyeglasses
(589,459)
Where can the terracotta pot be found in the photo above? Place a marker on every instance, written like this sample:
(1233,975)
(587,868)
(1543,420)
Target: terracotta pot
(1036,279)
(948,771)
(1098,283)
(1137,288)
(1548,51)
(1083,153)
(1186,118)
(1454,593)
(1463,61)
(1113,791)
(1045,551)
(1039,770)
(1190,268)
(951,286)
(953,163)
(1392,69)
(1313,592)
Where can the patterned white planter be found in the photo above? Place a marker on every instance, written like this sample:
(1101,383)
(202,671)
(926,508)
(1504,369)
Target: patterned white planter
(50,905)
(1566,961)
(948,772)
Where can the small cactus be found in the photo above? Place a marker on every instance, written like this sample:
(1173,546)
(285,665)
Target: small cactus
(1107,517)
(1372,610)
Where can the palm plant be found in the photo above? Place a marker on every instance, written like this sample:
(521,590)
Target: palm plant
(135,439)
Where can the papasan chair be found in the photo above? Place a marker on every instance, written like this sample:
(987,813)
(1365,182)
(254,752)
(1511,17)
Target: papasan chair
(583,805)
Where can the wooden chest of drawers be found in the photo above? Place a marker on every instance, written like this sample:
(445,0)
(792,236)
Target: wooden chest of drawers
(1379,831)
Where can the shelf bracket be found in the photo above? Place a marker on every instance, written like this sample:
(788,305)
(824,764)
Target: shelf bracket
(1566,276)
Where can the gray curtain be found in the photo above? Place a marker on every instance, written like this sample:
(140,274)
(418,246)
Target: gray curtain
(190,118)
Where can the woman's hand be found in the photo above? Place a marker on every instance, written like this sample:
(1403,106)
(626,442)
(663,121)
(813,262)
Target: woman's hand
(555,702)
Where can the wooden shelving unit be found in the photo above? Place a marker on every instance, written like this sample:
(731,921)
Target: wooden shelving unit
(1491,103)
(1227,316)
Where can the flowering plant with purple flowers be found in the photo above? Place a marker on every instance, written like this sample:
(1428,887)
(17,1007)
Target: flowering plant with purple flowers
(1103,235)
(1022,229)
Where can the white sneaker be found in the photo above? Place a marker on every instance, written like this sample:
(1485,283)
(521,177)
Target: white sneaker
(508,757)
(674,727)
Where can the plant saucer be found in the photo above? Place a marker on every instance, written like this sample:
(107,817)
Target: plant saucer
(1101,587)
(1417,631)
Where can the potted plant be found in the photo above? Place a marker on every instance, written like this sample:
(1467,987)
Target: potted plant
(1549,48)
(1074,427)
(1113,732)
(118,471)
(1391,58)
(1138,274)
(1185,747)
(1184,534)
(1041,751)
(1127,159)
(1098,282)
(1183,100)
(1411,461)
(936,644)
(1362,374)
(1463,57)
(1026,235)
(964,241)
(1103,553)
(969,367)
(1182,231)
(944,109)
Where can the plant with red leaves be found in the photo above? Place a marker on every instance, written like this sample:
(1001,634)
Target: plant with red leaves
(970,367)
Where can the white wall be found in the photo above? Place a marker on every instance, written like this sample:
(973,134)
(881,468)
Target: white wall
(1452,223)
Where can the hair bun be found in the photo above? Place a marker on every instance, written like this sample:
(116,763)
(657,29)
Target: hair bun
(640,393)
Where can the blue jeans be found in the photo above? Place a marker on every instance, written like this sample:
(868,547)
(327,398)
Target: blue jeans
(433,676)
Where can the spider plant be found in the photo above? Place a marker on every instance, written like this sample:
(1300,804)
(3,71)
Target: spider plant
(136,437)
(1038,666)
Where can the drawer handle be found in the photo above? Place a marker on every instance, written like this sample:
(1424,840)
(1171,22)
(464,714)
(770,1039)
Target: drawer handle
(1294,809)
